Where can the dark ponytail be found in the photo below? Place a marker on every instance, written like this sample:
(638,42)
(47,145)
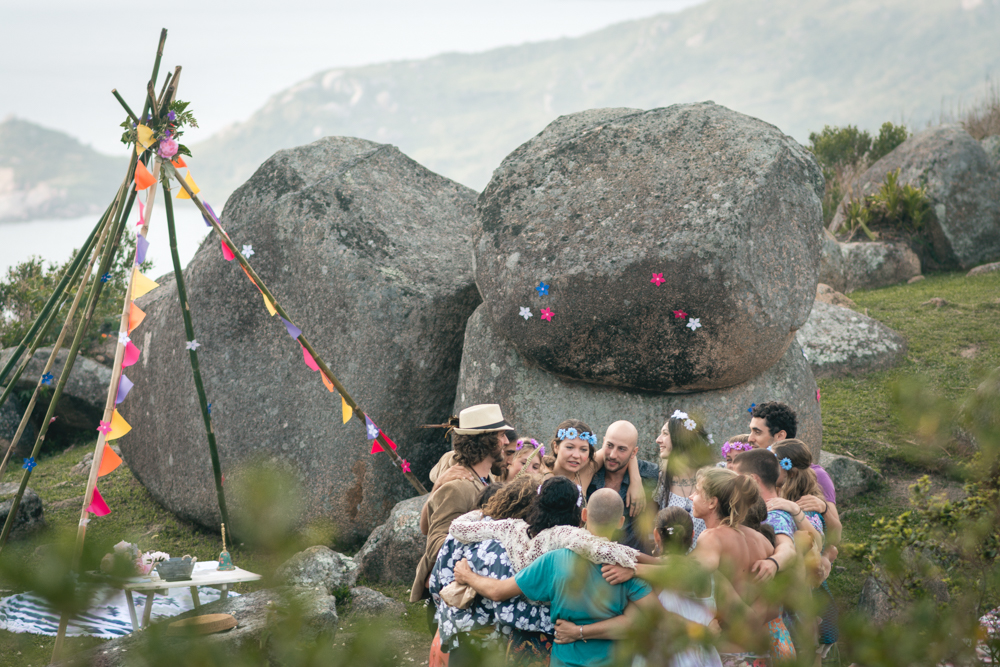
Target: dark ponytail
(558,503)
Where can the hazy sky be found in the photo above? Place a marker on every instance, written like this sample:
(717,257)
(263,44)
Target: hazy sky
(59,59)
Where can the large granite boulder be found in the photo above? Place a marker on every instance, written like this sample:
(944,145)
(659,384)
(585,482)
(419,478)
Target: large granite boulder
(392,551)
(850,476)
(868,265)
(10,418)
(319,567)
(83,398)
(839,342)
(536,401)
(371,603)
(601,202)
(992,147)
(831,263)
(963,226)
(30,514)
(369,252)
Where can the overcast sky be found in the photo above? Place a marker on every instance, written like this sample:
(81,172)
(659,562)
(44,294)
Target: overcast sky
(59,59)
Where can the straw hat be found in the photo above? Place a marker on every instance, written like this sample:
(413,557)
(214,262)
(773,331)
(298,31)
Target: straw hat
(485,418)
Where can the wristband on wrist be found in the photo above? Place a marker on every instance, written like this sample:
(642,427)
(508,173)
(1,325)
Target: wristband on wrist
(777,568)
(826,506)
(581,632)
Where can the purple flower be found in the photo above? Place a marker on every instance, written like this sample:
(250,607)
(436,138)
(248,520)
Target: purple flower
(171,116)
(167,148)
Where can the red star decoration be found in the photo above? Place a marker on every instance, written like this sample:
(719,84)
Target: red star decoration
(657,279)
(680,314)
(547,314)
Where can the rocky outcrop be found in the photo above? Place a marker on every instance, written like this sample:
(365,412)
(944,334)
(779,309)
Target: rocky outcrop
(831,263)
(692,197)
(30,515)
(850,476)
(366,602)
(319,567)
(393,549)
(10,418)
(984,268)
(963,225)
(839,342)
(992,147)
(370,253)
(866,265)
(536,401)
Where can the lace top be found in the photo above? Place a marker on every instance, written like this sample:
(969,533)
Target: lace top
(523,551)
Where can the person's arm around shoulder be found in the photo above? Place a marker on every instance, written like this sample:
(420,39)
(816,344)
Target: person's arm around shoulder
(783,558)
(489,588)
(635,500)
(568,632)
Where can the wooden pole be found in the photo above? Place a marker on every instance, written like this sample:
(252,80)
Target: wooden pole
(170,171)
(55,348)
(156,71)
(206,416)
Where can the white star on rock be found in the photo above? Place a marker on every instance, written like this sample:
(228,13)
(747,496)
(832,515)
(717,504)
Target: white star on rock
(192,344)
(525,312)
(693,323)
(247,251)
(123,337)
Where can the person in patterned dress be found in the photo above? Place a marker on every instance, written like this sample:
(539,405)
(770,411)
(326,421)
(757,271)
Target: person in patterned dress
(684,447)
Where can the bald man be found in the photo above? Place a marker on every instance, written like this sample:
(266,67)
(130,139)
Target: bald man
(621,445)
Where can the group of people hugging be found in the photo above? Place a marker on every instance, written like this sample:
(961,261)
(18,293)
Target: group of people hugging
(576,552)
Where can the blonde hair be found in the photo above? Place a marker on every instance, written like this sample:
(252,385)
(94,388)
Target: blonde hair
(523,445)
(736,494)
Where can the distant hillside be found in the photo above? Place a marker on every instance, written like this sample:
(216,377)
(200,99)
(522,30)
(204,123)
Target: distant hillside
(48,174)
(796,64)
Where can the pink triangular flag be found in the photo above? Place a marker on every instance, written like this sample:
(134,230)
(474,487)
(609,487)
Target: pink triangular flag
(378,448)
(97,506)
(310,362)
(131,355)
(227,253)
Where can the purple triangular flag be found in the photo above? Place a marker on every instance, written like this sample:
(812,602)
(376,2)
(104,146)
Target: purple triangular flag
(124,387)
(293,330)
(208,223)
(371,428)
(141,246)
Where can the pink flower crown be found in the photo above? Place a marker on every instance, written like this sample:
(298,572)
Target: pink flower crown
(735,447)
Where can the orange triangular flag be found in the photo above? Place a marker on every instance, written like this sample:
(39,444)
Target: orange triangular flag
(326,381)
(141,284)
(191,184)
(178,162)
(348,410)
(109,461)
(143,179)
(135,316)
(119,427)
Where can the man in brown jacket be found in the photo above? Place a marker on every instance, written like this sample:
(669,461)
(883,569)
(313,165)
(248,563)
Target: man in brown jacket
(478,443)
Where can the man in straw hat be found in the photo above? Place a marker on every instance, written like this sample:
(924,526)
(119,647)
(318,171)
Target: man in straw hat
(478,442)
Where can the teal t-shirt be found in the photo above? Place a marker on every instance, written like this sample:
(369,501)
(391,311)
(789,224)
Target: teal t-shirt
(575,591)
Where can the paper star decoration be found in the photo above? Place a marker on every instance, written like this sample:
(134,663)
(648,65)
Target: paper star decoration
(47,378)
(657,279)
(123,338)
(542,289)
(106,277)
(547,314)
(525,312)
(247,251)
(752,406)
(817,395)
(680,314)
(209,409)
(406,466)
(693,323)
(105,427)
(192,344)
(29,463)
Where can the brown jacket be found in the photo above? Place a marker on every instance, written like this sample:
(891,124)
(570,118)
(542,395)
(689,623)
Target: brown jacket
(447,504)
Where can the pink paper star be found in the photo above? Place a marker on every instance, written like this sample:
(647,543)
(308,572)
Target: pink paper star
(547,314)
(680,314)
(817,395)
(105,427)
(657,279)
(406,466)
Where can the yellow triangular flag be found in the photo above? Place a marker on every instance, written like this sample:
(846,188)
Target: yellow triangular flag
(348,410)
(268,304)
(144,139)
(119,427)
(191,184)
(141,284)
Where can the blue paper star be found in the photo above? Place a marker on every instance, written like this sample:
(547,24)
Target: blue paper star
(106,277)
(47,378)
(209,409)
(29,463)
(542,289)
(752,406)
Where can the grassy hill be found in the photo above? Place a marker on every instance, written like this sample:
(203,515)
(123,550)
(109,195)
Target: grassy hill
(795,64)
(48,174)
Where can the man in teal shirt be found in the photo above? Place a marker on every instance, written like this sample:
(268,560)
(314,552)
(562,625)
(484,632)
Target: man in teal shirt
(572,587)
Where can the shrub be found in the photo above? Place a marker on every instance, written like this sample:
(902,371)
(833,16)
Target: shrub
(894,208)
(983,118)
(889,136)
(838,147)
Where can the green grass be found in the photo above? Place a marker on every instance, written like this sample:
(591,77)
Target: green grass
(857,420)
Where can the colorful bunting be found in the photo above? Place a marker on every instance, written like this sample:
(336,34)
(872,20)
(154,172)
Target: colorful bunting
(144,138)
(270,306)
(142,215)
(131,355)
(109,461)
(135,317)
(178,162)
(371,428)
(119,426)
(327,382)
(141,246)
(141,284)
(310,362)
(143,179)
(347,410)
(97,506)
(293,330)
(226,252)
(191,184)
(124,387)
(376,447)
(208,206)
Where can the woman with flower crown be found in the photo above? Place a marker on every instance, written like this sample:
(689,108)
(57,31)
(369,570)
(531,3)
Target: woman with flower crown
(684,448)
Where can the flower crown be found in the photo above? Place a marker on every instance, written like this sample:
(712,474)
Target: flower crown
(573,434)
(690,424)
(735,446)
(521,442)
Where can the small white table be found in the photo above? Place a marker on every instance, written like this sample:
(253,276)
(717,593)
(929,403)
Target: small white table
(204,574)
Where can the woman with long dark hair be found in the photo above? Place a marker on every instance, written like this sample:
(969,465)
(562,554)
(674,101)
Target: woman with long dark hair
(684,448)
